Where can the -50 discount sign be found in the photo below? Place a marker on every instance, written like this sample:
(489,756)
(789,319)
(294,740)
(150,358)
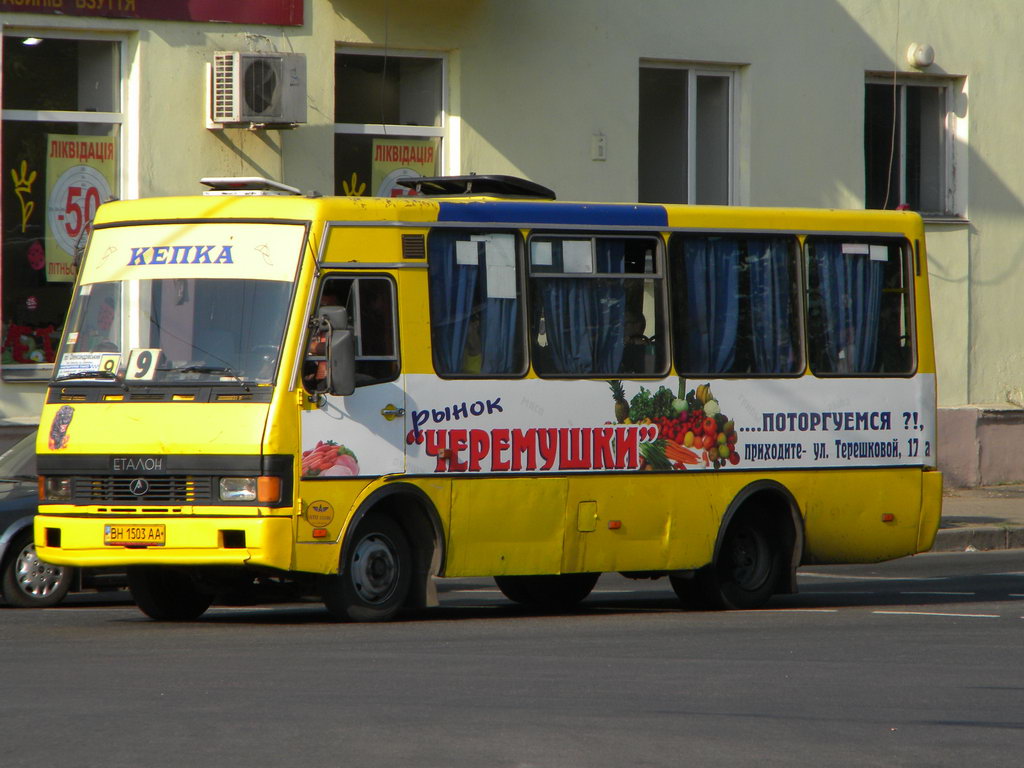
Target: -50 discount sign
(79,176)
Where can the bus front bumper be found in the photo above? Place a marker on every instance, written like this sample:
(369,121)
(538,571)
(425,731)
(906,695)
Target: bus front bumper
(92,541)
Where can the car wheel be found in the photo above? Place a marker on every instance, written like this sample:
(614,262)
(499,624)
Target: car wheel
(28,582)
(375,579)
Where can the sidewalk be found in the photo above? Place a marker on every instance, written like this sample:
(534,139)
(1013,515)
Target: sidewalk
(990,517)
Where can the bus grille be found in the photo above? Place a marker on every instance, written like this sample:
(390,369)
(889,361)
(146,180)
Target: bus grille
(174,489)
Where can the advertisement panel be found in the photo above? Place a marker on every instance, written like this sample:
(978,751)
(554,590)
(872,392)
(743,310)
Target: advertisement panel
(80,175)
(394,159)
(277,12)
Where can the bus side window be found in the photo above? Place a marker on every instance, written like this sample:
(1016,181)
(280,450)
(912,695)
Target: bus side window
(371,309)
(737,299)
(858,307)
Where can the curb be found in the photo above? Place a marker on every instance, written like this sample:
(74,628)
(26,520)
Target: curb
(979,538)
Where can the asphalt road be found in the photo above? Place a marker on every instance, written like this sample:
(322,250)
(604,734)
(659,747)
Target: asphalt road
(919,662)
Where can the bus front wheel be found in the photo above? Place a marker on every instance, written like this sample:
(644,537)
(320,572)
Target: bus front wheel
(745,574)
(167,595)
(375,578)
(555,592)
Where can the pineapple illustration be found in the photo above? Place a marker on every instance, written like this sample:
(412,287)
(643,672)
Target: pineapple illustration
(621,405)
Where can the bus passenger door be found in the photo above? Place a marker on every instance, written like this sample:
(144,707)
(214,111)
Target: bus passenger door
(361,434)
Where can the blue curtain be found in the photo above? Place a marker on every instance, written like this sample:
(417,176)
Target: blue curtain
(584,316)
(712,301)
(850,290)
(452,290)
(498,325)
(769,263)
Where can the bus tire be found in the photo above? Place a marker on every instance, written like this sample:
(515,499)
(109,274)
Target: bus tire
(747,570)
(28,582)
(164,594)
(374,582)
(555,592)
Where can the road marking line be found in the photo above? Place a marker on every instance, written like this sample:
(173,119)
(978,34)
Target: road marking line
(936,613)
(872,578)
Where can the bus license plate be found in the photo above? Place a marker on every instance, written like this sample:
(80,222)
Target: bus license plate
(135,535)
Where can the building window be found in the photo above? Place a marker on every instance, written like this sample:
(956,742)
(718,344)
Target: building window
(908,145)
(685,139)
(62,119)
(389,113)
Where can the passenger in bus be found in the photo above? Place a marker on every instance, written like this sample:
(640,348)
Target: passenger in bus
(634,353)
(473,356)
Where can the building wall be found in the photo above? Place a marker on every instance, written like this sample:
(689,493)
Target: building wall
(531,81)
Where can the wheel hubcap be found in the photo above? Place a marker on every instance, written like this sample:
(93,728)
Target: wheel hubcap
(35,577)
(375,568)
(751,562)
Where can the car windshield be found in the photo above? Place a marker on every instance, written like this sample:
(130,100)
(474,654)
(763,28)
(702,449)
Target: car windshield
(176,331)
(19,461)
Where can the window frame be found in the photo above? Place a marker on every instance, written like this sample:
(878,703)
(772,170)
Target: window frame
(659,276)
(522,298)
(355,320)
(448,155)
(694,71)
(799,302)
(126,140)
(907,264)
(953,140)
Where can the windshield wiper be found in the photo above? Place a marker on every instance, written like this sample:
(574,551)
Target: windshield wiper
(87,375)
(220,370)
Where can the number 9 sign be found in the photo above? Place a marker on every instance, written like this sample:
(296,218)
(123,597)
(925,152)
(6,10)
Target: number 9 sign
(73,201)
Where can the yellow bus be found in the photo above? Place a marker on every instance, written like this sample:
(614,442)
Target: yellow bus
(351,398)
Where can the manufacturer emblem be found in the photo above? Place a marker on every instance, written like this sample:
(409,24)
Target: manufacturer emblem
(139,486)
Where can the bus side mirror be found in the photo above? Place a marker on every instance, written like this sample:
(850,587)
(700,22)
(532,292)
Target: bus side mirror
(341,352)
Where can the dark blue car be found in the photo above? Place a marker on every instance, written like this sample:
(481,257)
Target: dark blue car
(25,580)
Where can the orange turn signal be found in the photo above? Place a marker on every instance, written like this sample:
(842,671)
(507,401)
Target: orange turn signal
(268,489)
(319,533)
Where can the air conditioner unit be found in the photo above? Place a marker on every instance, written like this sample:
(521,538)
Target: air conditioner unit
(258,88)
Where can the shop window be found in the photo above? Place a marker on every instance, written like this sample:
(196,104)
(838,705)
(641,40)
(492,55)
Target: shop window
(60,159)
(685,136)
(908,147)
(389,121)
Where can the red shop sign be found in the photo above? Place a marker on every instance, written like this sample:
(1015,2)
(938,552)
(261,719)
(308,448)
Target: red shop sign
(277,12)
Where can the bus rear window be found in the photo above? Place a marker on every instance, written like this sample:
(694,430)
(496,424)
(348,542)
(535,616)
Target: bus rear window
(858,306)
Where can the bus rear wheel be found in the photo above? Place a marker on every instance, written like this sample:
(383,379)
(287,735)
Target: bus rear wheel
(375,578)
(745,574)
(554,592)
(167,595)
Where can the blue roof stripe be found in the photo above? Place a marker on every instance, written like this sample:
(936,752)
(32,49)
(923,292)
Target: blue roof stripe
(555,213)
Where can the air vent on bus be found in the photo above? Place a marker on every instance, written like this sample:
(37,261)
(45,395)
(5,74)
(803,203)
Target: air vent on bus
(414,247)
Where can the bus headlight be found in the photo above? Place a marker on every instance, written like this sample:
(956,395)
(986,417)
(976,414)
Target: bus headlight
(55,488)
(264,489)
(238,489)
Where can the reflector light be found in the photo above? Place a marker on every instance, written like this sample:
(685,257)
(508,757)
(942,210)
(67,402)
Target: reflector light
(614,525)
(319,533)
(888,517)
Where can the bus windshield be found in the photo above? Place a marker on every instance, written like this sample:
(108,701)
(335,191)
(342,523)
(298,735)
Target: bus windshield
(174,331)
